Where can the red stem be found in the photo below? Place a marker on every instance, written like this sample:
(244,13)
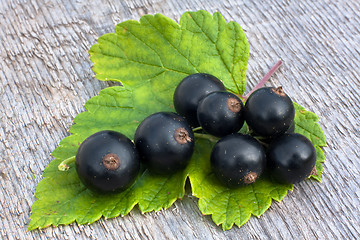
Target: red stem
(264,80)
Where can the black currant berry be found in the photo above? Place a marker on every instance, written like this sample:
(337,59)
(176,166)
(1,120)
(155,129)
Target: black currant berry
(221,113)
(190,91)
(165,142)
(291,158)
(269,112)
(237,159)
(107,161)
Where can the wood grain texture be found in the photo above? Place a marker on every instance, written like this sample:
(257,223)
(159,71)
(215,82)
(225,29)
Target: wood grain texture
(46,77)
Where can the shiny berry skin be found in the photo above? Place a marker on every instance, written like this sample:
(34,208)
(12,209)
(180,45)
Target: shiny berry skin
(269,112)
(221,113)
(291,158)
(190,91)
(165,142)
(237,160)
(107,162)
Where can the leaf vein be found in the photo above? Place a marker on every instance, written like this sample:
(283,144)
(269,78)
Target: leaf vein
(256,199)
(154,196)
(217,49)
(216,195)
(227,209)
(172,45)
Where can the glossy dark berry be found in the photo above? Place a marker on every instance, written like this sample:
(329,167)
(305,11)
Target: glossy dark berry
(190,91)
(107,161)
(291,158)
(221,113)
(237,159)
(269,112)
(165,142)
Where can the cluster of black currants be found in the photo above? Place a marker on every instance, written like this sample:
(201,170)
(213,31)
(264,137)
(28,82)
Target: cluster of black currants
(108,161)
(240,159)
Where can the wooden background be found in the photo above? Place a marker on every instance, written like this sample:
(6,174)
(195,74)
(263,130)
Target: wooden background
(46,77)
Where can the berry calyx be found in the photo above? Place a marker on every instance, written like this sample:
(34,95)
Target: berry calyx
(111,161)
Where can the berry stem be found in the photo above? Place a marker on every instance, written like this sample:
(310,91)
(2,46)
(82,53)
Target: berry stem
(206,136)
(197,129)
(64,165)
(264,80)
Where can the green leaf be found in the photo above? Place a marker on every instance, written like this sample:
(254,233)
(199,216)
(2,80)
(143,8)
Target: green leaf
(159,50)
(301,114)
(150,58)
(306,124)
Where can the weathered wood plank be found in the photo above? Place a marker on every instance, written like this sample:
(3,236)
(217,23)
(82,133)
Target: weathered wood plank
(46,77)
